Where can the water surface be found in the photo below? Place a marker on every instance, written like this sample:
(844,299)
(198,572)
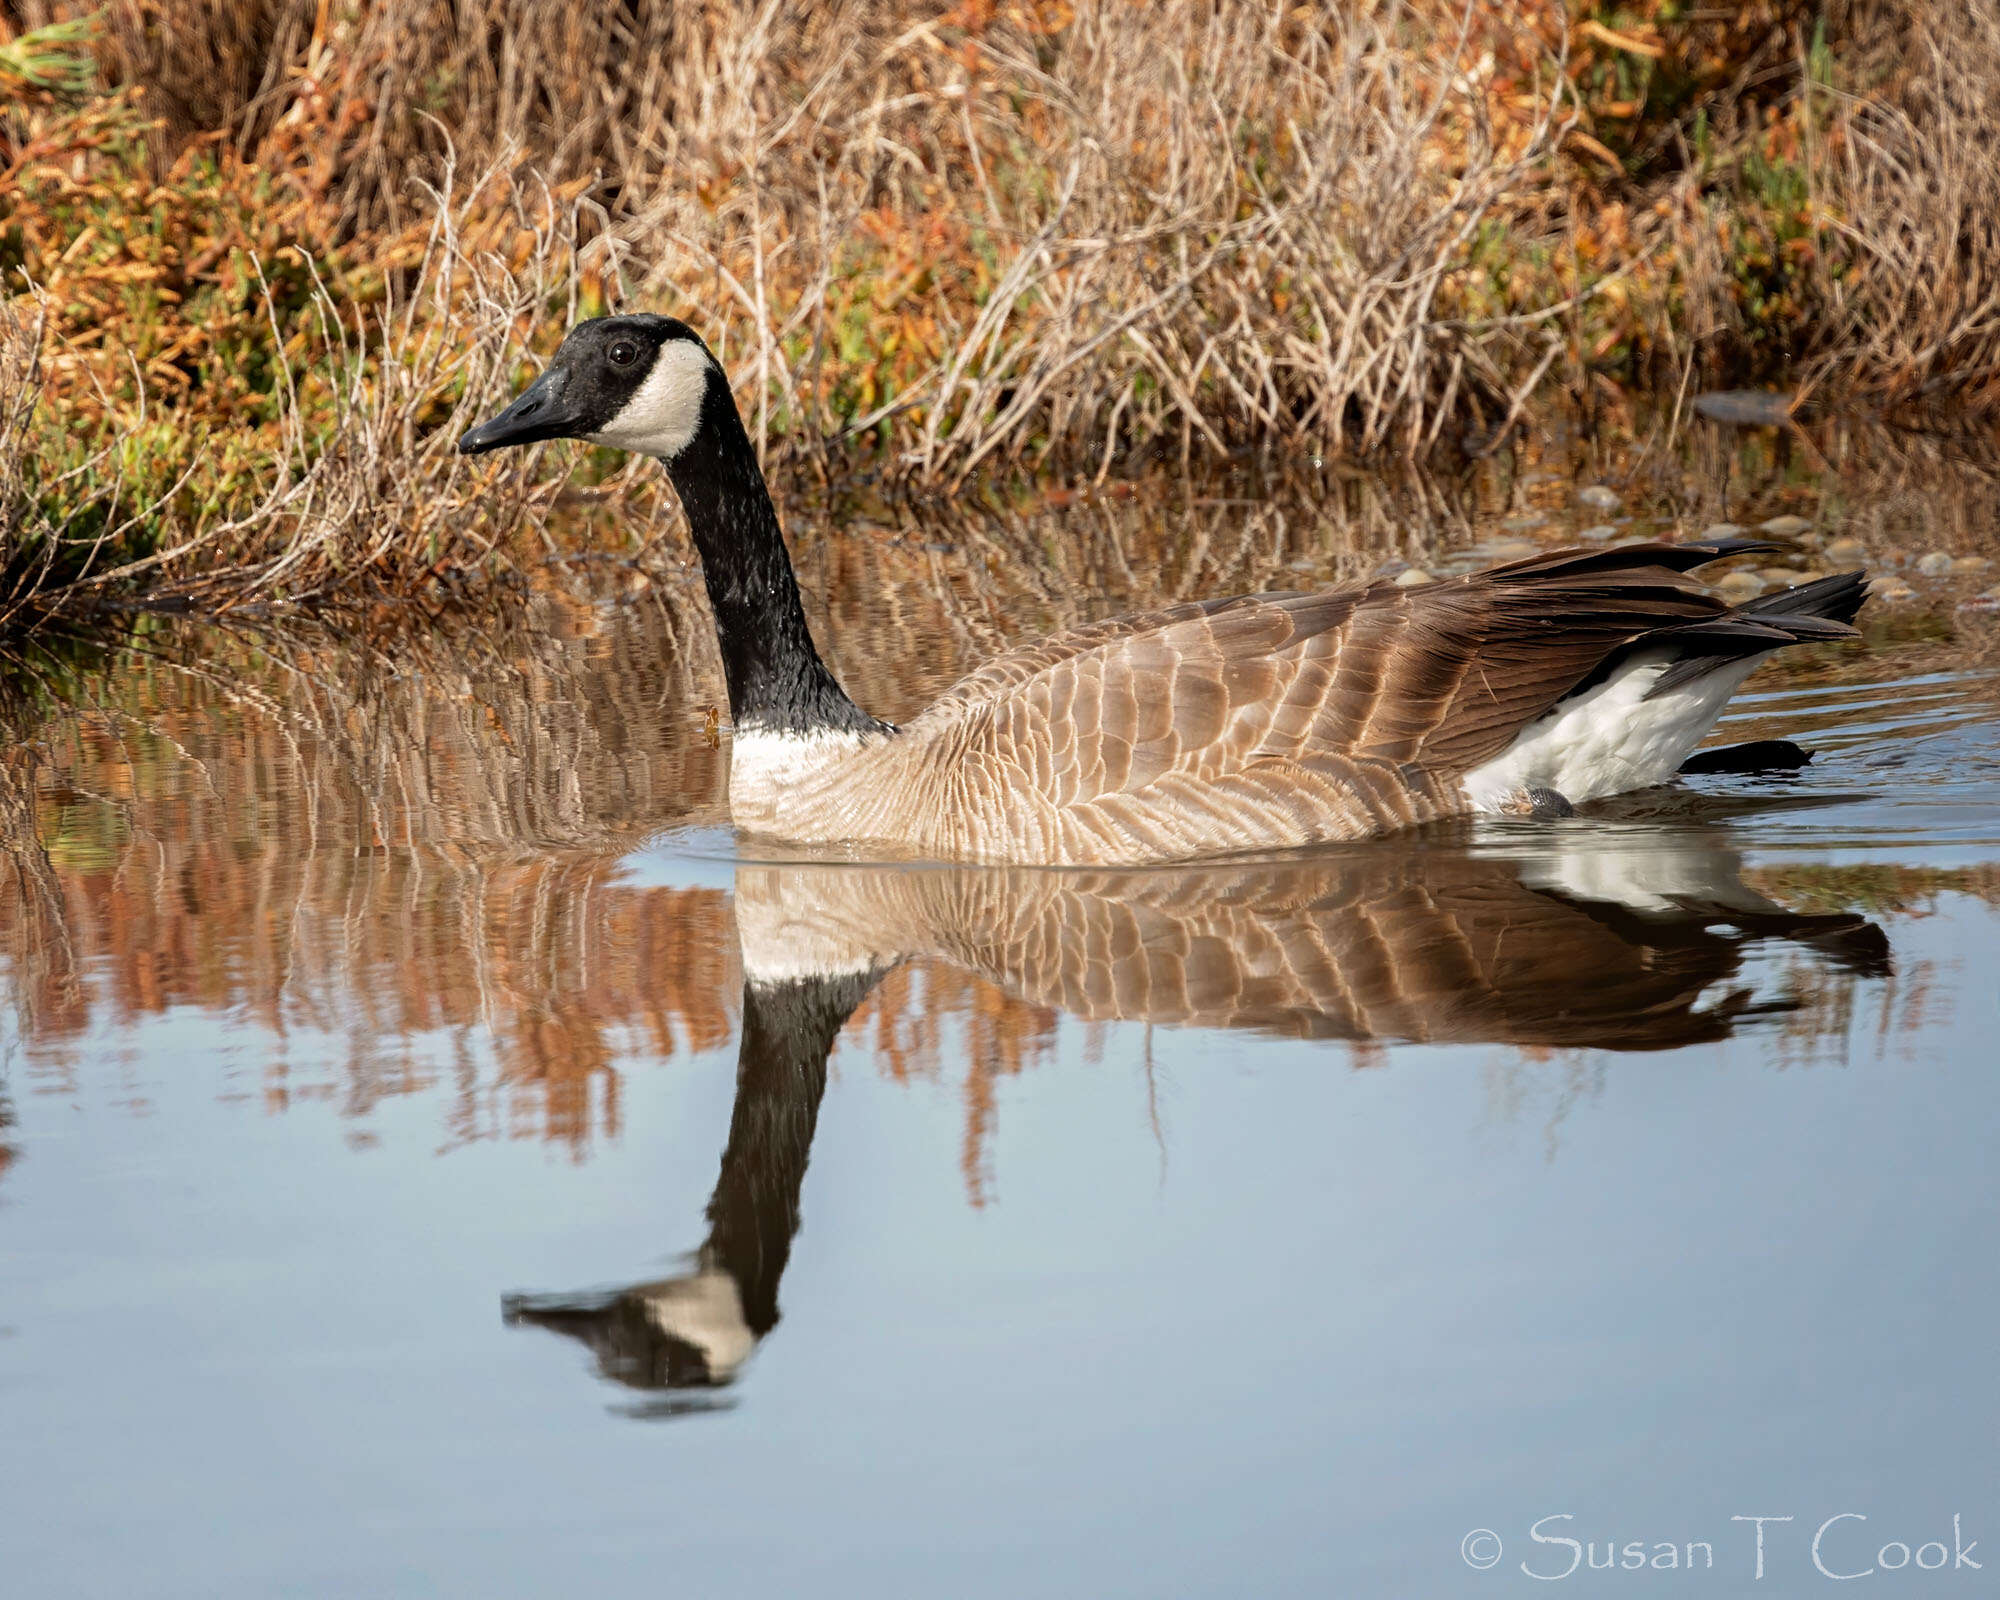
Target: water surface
(435,1160)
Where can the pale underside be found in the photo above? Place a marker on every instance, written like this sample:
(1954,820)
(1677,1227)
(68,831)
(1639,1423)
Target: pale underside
(1269,722)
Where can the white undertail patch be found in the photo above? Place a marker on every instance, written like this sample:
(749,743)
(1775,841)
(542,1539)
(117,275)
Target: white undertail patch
(665,410)
(1610,739)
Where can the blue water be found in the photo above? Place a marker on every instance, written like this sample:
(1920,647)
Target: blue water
(1095,1307)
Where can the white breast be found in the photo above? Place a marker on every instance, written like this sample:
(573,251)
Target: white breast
(767,768)
(1610,739)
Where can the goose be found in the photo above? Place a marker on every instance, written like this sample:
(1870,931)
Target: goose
(1633,941)
(1250,724)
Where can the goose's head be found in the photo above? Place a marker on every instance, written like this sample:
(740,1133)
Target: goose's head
(640,383)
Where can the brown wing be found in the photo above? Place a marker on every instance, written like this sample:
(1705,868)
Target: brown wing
(1291,718)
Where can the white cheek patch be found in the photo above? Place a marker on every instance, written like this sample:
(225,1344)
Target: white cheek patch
(665,410)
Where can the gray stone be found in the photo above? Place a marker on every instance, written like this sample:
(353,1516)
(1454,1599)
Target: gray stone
(1598,498)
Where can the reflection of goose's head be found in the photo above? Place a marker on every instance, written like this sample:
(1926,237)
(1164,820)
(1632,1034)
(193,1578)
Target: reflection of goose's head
(697,1329)
(677,1333)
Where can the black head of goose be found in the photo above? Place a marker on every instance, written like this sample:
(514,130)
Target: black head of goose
(1259,722)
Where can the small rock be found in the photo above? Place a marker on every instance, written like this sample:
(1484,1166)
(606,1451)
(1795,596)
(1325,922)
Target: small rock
(1893,590)
(1846,552)
(1740,585)
(1783,577)
(1602,531)
(1971,564)
(1511,549)
(1746,408)
(1935,564)
(1785,527)
(1598,498)
(1722,530)
(1527,519)
(1411,577)
(1989,601)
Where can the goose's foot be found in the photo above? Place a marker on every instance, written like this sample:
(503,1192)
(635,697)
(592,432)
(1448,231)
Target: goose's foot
(1539,804)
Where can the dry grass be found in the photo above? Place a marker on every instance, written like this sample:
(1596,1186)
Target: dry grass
(1912,197)
(947,241)
(274,254)
(1036,230)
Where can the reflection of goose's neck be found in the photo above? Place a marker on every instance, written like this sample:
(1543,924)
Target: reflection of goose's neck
(699,1327)
(788,1032)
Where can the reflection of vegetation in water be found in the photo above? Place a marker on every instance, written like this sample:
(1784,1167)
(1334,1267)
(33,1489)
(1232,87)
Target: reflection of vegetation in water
(407,849)
(1879,888)
(405,845)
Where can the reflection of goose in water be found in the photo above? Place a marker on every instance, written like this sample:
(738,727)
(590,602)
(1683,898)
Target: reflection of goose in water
(1633,948)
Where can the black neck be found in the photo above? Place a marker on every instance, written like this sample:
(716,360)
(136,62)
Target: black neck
(776,678)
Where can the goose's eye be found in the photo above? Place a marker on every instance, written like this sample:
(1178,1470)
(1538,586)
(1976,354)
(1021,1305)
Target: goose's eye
(623,353)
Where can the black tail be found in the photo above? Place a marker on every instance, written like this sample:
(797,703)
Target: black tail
(1834,599)
(1813,613)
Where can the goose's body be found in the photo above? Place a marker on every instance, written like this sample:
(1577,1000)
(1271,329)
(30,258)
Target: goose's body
(1257,723)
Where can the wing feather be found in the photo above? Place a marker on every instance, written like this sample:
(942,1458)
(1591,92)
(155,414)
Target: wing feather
(1366,701)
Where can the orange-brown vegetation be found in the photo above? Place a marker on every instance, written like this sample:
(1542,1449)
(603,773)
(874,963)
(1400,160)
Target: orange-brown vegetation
(264,258)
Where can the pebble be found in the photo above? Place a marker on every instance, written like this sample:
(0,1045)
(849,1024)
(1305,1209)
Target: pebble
(1934,565)
(1527,519)
(1891,590)
(1971,564)
(1511,549)
(1784,577)
(1598,498)
(1989,601)
(1603,530)
(1845,552)
(1722,530)
(1411,577)
(1740,584)
(1785,527)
